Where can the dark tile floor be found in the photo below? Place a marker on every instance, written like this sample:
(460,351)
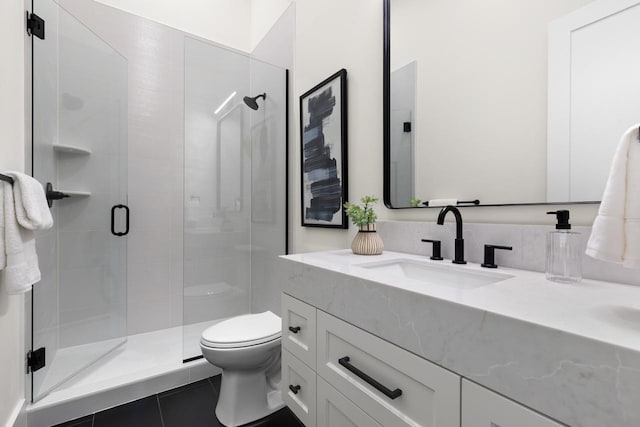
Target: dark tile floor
(192,405)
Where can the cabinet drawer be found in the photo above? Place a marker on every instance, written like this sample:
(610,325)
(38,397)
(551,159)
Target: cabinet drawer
(299,329)
(430,395)
(483,408)
(335,410)
(299,388)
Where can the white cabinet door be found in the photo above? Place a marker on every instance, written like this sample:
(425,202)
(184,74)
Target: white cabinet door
(393,386)
(299,388)
(299,329)
(335,410)
(483,408)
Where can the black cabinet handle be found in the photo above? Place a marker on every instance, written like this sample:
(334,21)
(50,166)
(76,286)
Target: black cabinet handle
(113,220)
(294,389)
(294,329)
(391,394)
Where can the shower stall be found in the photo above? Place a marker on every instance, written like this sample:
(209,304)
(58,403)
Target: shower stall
(176,207)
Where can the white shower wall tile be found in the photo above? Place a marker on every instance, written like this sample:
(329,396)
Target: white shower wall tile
(528,242)
(152,279)
(84,213)
(149,315)
(83,248)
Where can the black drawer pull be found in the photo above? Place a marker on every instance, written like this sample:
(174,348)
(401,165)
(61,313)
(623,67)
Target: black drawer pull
(294,388)
(391,394)
(294,329)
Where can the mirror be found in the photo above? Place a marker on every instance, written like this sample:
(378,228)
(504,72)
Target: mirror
(506,101)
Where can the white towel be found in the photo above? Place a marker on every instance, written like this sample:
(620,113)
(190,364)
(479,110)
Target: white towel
(616,230)
(32,210)
(18,249)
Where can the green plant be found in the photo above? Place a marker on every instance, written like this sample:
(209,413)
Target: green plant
(415,203)
(362,215)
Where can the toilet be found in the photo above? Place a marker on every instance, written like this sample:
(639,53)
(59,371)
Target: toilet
(247,349)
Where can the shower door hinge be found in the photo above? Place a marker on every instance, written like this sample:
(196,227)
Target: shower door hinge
(35,25)
(35,360)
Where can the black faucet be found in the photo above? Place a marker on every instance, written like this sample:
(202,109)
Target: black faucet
(459,242)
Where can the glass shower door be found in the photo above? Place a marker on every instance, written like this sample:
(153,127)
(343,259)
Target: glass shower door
(217,190)
(79,146)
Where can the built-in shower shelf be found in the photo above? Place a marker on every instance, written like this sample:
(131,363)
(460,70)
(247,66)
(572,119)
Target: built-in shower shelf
(76,193)
(70,149)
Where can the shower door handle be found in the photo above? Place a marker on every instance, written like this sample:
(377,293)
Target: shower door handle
(113,220)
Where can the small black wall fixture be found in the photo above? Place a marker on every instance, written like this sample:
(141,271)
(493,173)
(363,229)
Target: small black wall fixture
(36,359)
(35,25)
(53,195)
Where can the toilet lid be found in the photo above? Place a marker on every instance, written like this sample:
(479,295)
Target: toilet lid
(243,331)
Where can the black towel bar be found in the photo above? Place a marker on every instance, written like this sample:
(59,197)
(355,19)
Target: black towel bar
(6,178)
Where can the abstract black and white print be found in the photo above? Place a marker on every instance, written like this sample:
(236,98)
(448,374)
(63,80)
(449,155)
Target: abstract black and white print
(322,155)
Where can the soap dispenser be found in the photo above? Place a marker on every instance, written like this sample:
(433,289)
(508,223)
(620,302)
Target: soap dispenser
(564,251)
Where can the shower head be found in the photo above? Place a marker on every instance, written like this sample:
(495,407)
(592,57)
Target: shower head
(252,102)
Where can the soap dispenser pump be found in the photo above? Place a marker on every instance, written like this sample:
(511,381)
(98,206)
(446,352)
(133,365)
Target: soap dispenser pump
(564,254)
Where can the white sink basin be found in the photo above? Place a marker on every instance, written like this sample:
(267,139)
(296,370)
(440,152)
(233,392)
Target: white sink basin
(434,274)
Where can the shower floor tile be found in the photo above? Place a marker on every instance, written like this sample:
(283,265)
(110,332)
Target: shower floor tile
(192,405)
(146,364)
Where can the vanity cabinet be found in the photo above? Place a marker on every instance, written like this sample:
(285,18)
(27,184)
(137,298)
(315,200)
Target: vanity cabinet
(299,329)
(482,407)
(299,388)
(359,377)
(335,374)
(335,410)
(395,387)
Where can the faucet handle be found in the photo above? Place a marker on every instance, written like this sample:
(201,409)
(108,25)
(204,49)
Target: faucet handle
(490,253)
(436,254)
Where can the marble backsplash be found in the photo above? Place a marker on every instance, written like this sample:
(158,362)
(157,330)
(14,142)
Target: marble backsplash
(528,242)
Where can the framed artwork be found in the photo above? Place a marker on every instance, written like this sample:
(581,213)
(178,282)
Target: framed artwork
(323,128)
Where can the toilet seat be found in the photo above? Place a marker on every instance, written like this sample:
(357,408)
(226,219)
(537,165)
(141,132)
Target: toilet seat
(243,331)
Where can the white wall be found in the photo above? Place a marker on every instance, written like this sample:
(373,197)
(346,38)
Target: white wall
(264,13)
(333,34)
(12,137)
(223,21)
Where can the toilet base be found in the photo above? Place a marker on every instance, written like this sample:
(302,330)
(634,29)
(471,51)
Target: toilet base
(246,397)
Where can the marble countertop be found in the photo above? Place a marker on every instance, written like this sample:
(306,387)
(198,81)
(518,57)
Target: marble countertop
(608,312)
(571,351)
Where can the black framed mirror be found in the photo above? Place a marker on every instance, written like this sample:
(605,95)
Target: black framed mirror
(507,104)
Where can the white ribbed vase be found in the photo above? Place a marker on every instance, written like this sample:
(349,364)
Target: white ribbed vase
(367,241)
